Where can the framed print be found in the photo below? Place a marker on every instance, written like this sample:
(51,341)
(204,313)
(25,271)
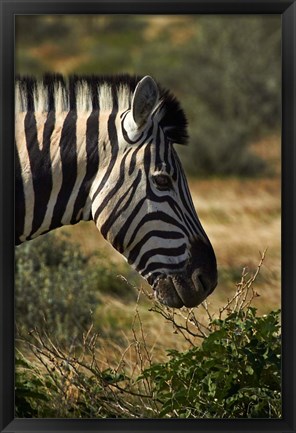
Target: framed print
(167,131)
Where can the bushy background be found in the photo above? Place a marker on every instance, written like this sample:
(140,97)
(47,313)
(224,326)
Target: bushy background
(59,287)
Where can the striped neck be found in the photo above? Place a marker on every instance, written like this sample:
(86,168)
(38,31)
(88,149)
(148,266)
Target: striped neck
(70,134)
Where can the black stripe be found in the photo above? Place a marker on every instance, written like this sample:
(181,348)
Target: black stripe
(42,192)
(92,163)
(186,200)
(115,188)
(156,266)
(177,210)
(112,133)
(156,217)
(69,167)
(40,166)
(72,92)
(134,253)
(158,159)
(147,163)
(192,218)
(174,166)
(117,211)
(118,240)
(133,161)
(166,154)
(30,87)
(94,93)
(20,209)
(169,252)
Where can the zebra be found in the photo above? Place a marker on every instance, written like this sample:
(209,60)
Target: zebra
(101,148)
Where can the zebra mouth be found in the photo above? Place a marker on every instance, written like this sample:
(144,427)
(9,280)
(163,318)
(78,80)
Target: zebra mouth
(177,290)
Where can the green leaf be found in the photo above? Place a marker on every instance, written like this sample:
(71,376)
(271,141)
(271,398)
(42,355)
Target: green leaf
(249,370)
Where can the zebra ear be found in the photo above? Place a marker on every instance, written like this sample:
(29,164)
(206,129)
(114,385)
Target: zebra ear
(145,98)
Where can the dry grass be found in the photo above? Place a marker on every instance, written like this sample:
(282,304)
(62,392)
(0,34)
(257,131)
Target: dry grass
(242,219)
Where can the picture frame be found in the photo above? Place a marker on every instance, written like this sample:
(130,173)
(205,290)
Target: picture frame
(9,9)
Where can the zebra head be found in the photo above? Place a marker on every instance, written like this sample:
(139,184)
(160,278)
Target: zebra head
(143,206)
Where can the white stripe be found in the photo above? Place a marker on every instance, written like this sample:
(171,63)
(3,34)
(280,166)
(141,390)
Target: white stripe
(20,98)
(124,97)
(83,97)
(61,98)
(40,96)
(105,97)
(81,125)
(40,122)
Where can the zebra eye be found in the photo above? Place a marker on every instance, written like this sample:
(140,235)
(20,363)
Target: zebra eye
(162,182)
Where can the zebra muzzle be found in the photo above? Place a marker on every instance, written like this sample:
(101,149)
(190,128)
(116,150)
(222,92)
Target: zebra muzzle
(166,294)
(177,290)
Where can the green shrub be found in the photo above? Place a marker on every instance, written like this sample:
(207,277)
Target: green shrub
(236,373)
(58,393)
(231,92)
(232,369)
(34,390)
(58,287)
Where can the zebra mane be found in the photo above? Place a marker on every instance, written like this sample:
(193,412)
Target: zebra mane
(85,93)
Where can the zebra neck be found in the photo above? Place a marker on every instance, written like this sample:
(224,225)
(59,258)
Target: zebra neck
(56,162)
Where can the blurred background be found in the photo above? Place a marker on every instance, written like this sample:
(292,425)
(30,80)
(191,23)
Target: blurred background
(226,72)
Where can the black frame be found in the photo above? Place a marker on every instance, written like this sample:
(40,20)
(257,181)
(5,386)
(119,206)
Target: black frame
(8,9)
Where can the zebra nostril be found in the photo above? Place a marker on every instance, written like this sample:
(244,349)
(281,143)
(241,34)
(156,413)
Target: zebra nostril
(204,282)
(202,266)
